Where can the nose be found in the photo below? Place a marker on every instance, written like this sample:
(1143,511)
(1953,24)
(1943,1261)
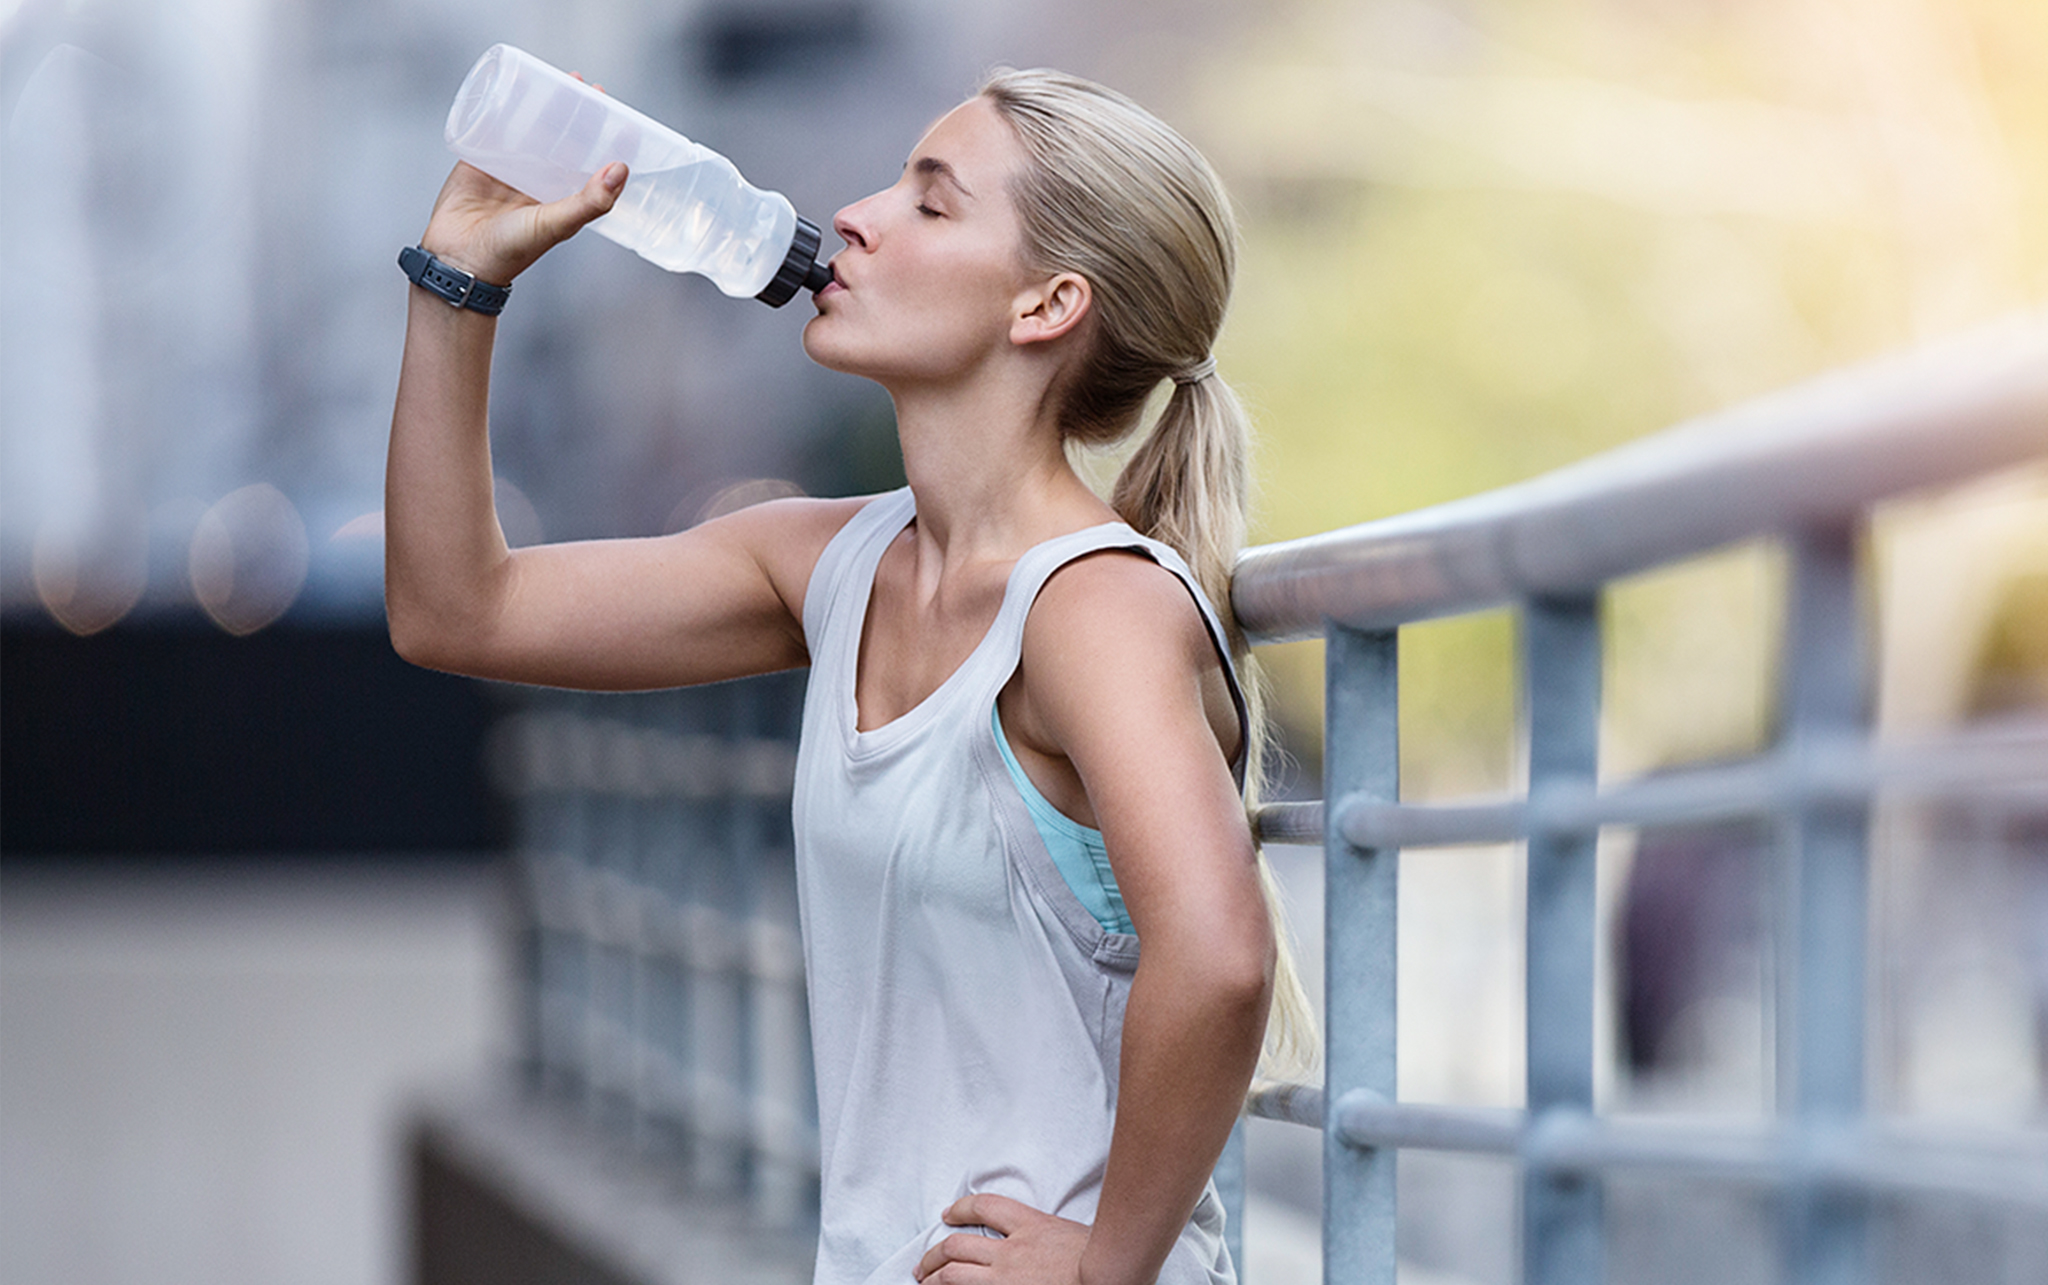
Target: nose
(853,224)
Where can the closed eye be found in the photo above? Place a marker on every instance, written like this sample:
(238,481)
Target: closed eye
(928,211)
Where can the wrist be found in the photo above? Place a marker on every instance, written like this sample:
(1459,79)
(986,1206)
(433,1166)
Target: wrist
(480,266)
(1099,1266)
(452,283)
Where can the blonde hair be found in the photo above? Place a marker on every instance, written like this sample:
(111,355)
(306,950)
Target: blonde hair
(1114,194)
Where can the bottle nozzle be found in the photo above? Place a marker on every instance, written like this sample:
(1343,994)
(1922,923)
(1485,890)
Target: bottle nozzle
(801,268)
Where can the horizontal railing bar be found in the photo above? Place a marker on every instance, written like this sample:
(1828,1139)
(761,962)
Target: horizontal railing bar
(1816,454)
(1845,1156)
(1366,1119)
(2003,770)
(1291,1103)
(1289,822)
(1372,823)
(1863,1157)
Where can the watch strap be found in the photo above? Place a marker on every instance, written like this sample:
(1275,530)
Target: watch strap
(459,288)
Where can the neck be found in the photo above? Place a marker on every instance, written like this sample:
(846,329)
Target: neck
(988,469)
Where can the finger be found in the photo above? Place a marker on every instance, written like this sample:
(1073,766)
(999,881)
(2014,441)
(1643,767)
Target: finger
(999,1214)
(958,1248)
(560,220)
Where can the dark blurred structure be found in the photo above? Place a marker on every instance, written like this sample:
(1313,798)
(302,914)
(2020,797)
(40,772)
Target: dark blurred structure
(1689,932)
(177,739)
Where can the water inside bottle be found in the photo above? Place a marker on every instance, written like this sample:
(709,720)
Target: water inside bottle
(696,218)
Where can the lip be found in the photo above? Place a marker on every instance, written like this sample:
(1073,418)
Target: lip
(836,285)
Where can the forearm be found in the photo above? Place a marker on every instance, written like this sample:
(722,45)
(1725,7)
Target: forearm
(448,574)
(1192,1032)
(445,556)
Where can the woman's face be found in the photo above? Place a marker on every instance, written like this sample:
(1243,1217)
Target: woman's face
(933,264)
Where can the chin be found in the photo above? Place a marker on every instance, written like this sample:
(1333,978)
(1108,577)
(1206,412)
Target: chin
(817,348)
(829,350)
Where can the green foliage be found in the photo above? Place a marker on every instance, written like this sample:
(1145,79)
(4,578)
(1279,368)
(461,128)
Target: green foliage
(1486,239)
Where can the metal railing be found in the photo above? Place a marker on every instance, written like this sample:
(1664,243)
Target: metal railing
(662,972)
(1805,468)
(664,996)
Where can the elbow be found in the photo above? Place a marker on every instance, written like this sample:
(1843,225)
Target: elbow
(418,638)
(446,621)
(1250,976)
(1231,972)
(1236,993)
(1248,957)
(413,644)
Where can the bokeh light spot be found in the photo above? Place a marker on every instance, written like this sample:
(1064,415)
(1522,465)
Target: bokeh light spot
(89,580)
(735,496)
(249,558)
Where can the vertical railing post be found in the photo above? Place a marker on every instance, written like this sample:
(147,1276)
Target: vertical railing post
(717,997)
(668,974)
(1562,1233)
(1229,1179)
(608,1050)
(778,1064)
(1824,904)
(1361,757)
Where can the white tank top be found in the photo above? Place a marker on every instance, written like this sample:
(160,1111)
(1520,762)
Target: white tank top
(966,1009)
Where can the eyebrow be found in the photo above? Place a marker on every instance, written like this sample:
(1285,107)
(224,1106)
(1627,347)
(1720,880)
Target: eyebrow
(932,165)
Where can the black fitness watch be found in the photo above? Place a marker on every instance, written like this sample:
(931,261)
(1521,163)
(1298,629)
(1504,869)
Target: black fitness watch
(459,288)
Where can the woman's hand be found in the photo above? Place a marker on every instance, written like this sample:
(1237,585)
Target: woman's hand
(495,232)
(1034,1248)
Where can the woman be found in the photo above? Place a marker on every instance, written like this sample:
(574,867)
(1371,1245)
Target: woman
(1024,742)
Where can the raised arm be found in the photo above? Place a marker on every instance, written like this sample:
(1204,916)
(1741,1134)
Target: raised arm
(718,601)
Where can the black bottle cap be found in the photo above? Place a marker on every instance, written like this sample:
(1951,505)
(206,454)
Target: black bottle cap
(800,268)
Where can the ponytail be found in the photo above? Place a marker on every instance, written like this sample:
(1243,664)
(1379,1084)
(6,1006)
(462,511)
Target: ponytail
(1118,197)
(1188,486)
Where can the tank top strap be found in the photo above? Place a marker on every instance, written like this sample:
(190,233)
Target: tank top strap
(1041,562)
(836,594)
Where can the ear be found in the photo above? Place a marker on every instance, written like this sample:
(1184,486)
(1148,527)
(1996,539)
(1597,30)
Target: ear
(1051,308)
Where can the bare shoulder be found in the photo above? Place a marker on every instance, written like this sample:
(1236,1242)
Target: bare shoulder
(1118,603)
(1116,631)
(1118,660)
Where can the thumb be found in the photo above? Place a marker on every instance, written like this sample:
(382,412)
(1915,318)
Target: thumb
(562,219)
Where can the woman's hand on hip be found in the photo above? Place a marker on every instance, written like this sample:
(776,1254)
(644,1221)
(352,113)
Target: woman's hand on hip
(1030,1247)
(495,232)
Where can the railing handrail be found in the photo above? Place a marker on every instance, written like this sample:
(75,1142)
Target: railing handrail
(1812,455)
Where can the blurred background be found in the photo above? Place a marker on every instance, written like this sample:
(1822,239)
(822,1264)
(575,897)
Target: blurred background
(251,899)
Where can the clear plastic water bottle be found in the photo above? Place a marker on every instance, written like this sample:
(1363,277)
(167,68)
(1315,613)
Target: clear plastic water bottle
(684,206)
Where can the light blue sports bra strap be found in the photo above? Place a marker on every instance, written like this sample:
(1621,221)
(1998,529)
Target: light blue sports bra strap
(1078,850)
